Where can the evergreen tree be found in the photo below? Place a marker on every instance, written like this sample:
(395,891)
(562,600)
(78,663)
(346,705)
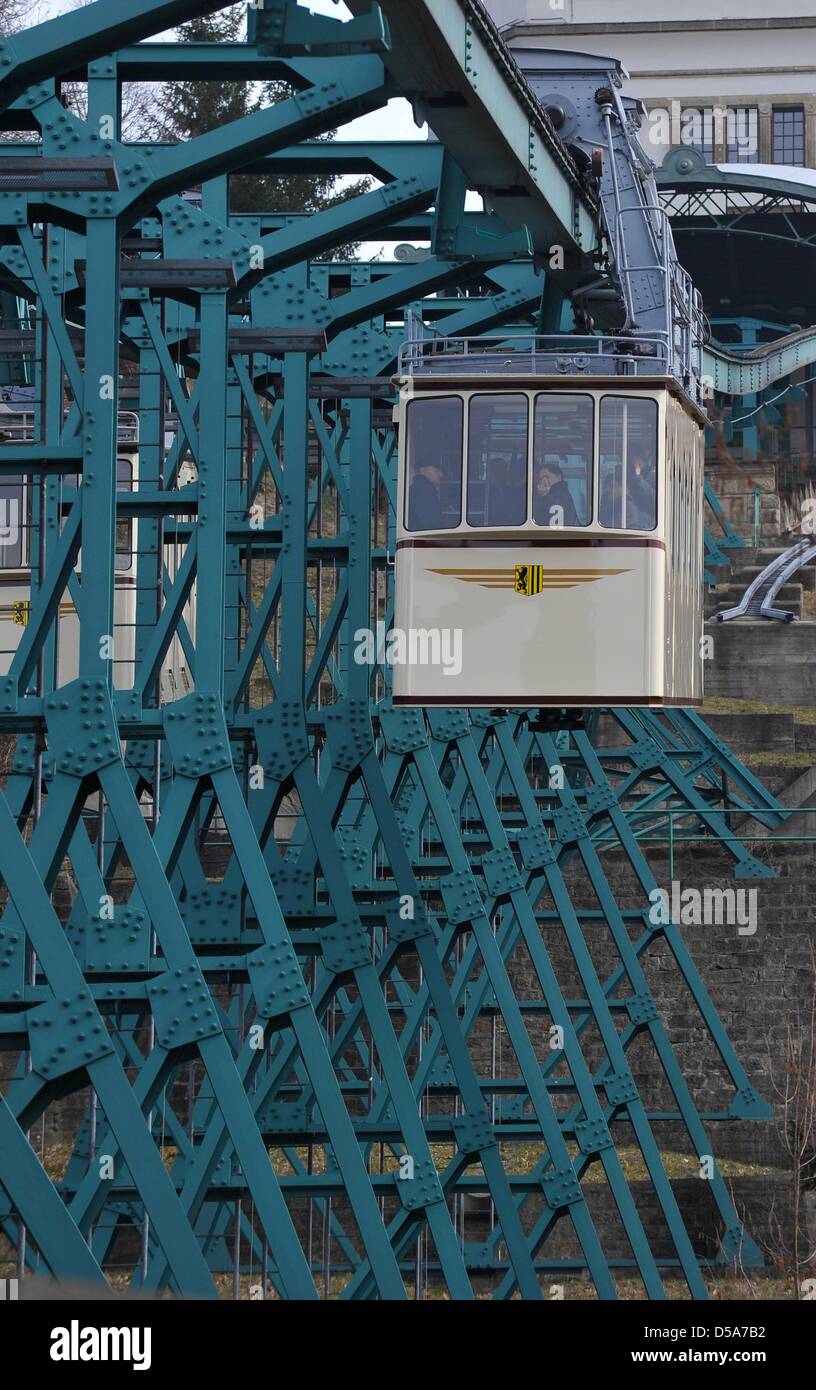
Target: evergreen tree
(195,107)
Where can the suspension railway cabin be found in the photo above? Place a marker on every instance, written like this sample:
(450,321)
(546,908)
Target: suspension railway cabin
(18,557)
(551,512)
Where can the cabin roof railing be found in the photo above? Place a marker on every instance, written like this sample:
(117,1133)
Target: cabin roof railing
(20,426)
(554,355)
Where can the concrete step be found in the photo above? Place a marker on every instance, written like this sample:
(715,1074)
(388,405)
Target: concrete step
(746,574)
(786,606)
(726,594)
(793,788)
(766,553)
(781,780)
(805,739)
(755,733)
(753,659)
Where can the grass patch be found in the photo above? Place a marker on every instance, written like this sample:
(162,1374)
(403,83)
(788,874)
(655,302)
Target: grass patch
(716,704)
(522,1158)
(803,760)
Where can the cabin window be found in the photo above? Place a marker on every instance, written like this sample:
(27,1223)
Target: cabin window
(433,474)
(11,523)
(563,448)
(628,449)
(497,460)
(124,527)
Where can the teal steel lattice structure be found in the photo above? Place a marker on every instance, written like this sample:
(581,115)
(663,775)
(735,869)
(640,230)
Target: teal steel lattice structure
(299,975)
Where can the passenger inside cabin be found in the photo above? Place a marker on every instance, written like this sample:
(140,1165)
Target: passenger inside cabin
(642,488)
(552,503)
(433,456)
(611,509)
(640,498)
(628,464)
(425,498)
(507,504)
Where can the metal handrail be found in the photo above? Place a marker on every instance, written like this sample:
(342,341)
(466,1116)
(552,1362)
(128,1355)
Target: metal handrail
(19,427)
(758,599)
(415,351)
(670,839)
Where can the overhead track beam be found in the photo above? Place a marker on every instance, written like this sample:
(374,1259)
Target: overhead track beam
(448,57)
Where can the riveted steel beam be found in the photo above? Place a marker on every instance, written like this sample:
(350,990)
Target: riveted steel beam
(449,58)
(55,47)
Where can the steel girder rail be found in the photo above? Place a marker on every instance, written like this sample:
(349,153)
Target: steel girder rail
(745,373)
(320,996)
(703,199)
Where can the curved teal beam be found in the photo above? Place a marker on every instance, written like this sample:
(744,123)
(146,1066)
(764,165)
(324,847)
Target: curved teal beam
(685,167)
(744,373)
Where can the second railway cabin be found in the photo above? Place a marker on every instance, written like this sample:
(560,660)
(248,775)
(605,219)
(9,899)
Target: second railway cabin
(19,557)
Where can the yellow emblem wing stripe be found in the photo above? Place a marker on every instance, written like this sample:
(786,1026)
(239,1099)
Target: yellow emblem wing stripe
(528,579)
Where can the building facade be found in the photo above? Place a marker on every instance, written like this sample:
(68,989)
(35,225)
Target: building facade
(735,78)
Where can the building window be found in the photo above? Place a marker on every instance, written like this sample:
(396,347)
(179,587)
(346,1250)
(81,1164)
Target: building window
(697,129)
(742,135)
(788,135)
